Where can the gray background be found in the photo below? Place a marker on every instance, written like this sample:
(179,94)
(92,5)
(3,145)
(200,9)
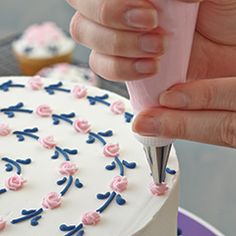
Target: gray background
(208,186)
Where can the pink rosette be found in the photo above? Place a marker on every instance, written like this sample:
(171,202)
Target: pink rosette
(119,183)
(79,91)
(4,129)
(48,142)
(15,182)
(35,82)
(43,34)
(44,110)
(158,189)
(2,224)
(68,168)
(82,126)
(52,200)
(111,150)
(91,218)
(117,107)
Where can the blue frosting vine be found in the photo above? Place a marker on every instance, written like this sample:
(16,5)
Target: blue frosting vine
(93,100)
(9,84)
(51,89)
(11,110)
(65,117)
(32,215)
(30,133)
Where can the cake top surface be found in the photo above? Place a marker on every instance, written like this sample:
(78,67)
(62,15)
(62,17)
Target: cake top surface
(69,163)
(43,41)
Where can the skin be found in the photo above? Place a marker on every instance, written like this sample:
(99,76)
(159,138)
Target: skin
(204,108)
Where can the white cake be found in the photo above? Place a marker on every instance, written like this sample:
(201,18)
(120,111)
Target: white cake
(92,186)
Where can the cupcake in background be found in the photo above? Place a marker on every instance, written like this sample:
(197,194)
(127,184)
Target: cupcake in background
(42,45)
(69,72)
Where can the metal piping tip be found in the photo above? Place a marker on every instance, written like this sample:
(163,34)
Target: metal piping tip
(157,158)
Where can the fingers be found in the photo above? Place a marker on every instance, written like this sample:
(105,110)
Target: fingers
(211,127)
(121,68)
(116,42)
(213,94)
(122,14)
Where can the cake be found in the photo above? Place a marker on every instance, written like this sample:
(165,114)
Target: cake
(70,165)
(42,45)
(69,72)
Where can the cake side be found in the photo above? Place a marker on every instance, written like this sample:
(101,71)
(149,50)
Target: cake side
(132,209)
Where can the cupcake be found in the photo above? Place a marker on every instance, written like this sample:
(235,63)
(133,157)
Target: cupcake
(69,72)
(42,45)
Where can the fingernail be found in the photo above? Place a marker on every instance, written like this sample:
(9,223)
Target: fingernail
(146,66)
(174,99)
(141,18)
(153,43)
(146,125)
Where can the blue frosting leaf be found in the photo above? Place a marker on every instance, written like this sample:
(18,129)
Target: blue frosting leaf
(102,196)
(9,167)
(119,200)
(61,181)
(65,227)
(90,139)
(129,165)
(78,184)
(108,133)
(55,155)
(34,221)
(112,166)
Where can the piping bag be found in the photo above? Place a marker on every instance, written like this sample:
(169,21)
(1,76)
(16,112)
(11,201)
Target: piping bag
(179,20)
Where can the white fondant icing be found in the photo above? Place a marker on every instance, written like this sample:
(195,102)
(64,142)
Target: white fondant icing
(142,215)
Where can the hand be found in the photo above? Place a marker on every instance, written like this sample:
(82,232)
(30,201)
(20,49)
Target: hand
(127,44)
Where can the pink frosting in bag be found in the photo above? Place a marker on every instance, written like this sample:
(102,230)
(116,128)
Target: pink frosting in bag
(158,189)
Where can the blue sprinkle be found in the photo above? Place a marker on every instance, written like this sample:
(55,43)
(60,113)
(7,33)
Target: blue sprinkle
(170,171)
(61,181)
(3,190)
(55,155)
(71,151)
(65,227)
(119,200)
(129,165)
(27,212)
(20,137)
(78,184)
(35,220)
(24,162)
(112,166)
(33,130)
(72,232)
(101,196)
(108,133)
(9,167)
(90,139)
(128,117)
(70,180)
(81,233)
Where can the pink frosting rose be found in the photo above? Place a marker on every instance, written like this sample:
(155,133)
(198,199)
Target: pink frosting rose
(68,168)
(52,200)
(158,189)
(43,34)
(15,182)
(4,129)
(2,223)
(35,82)
(91,218)
(111,150)
(119,184)
(117,107)
(79,91)
(48,142)
(82,126)
(44,111)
